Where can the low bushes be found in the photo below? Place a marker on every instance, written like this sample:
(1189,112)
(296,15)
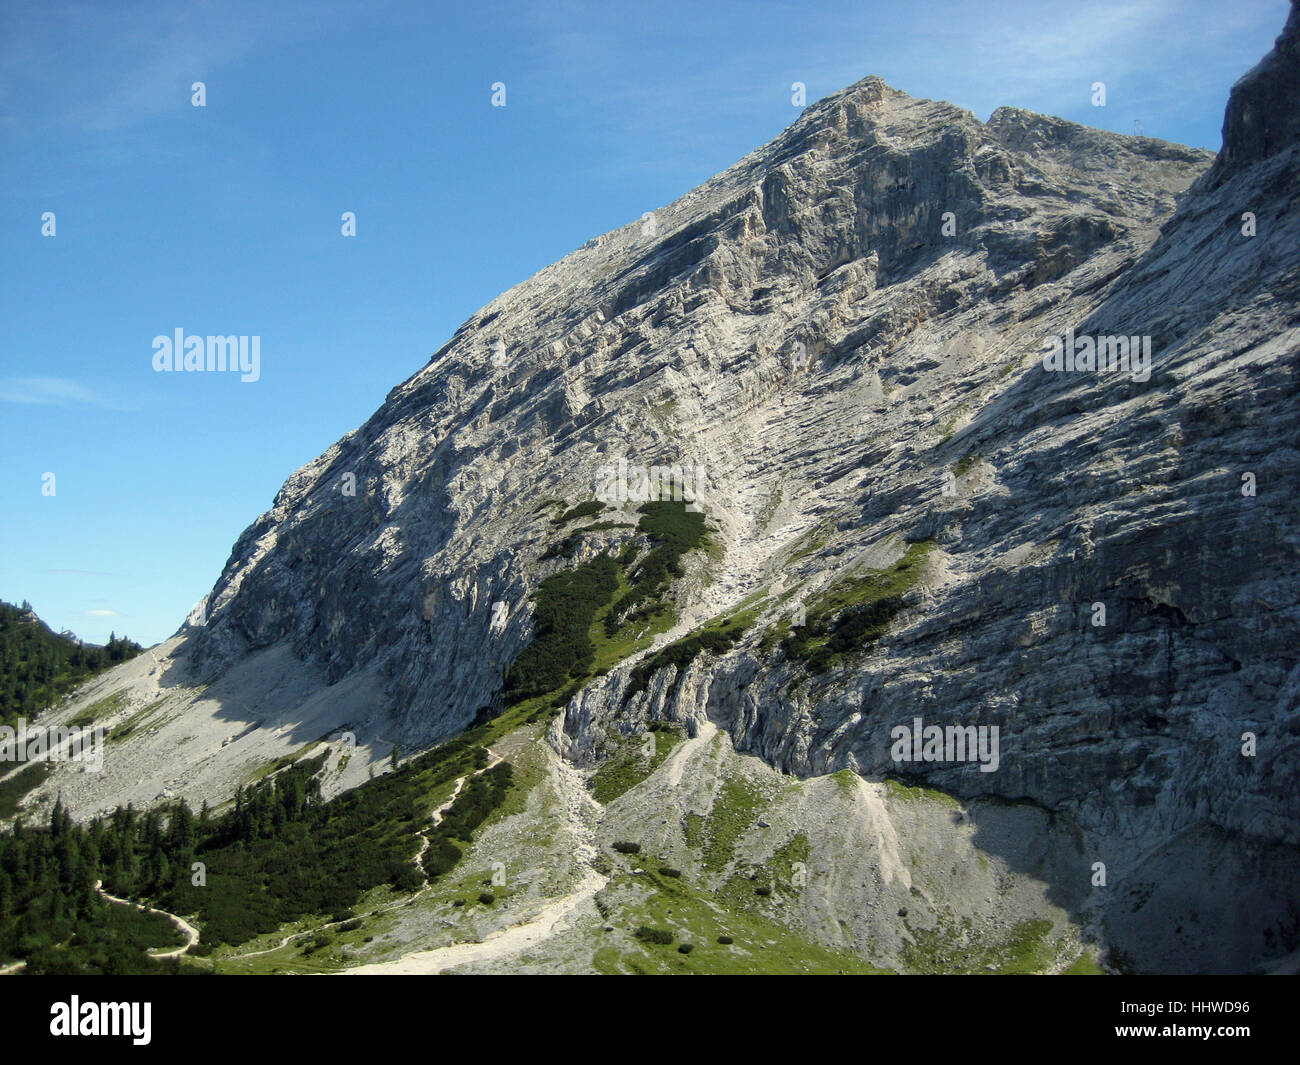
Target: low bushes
(561,649)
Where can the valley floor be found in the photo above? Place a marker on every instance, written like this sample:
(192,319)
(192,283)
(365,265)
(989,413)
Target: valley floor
(699,860)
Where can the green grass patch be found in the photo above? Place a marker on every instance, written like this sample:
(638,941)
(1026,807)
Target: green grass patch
(847,781)
(1085,965)
(853,613)
(629,766)
(283,762)
(951,426)
(136,721)
(735,810)
(583,510)
(99,710)
(13,789)
(789,861)
(812,541)
(530,770)
(957,947)
(725,942)
(910,791)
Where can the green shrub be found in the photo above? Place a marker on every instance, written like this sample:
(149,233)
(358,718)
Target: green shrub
(17,786)
(582,510)
(319,942)
(486,897)
(823,644)
(561,648)
(39,666)
(681,654)
(440,857)
(277,855)
(625,847)
(674,530)
(854,613)
(601,526)
(654,935)
(726,941)
(665,870)
(685,948)
(561,548)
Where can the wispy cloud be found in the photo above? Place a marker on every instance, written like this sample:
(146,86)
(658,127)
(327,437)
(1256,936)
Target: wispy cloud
(183,49)
(103,614)
(82,572)
(53,69)
(1047,59)
(56,392)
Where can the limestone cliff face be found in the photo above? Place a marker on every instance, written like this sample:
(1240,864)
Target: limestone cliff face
(1261,119)
(847,330)
(679,344)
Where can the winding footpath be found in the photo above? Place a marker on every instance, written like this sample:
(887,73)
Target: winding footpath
(546,922)
(435,819)
(188,930)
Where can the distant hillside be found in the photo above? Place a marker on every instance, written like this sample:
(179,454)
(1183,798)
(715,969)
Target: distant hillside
(37,666)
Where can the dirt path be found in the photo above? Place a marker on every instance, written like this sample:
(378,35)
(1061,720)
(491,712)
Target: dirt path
(546,922)
(500,944)
(283,942)
(435,819)
(676,764)
(191,933)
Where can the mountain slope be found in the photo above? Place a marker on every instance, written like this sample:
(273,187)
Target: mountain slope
(846,331)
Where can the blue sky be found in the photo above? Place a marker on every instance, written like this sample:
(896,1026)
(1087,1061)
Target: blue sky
(225,219)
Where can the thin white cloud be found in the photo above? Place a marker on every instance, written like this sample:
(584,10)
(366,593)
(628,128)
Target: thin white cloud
(1019,53)
(158,78)
(52,68)
(103,613)
(83,572)
(55,392)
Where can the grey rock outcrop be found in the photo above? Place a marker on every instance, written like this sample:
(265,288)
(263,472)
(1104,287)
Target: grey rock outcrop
(1261,119)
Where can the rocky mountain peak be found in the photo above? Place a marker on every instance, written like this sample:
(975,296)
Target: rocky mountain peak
(1263,114)
(845,332)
